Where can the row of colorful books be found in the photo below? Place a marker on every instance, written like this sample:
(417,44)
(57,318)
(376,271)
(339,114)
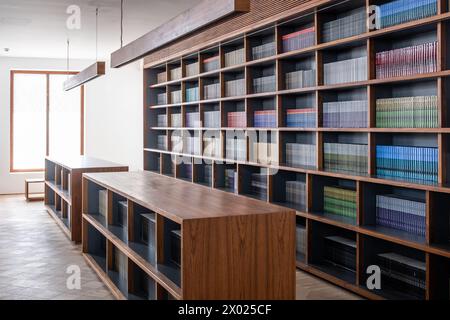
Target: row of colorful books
(236,149)
(300,155)
(175,97)
(161,120)
(176,73)
(351,70)
(237,119)
(299,40)
(264,50)
(401,214)
(211,119)
(411,163)
(346,25)
(161,77)
(301,118)
(235,88)
(264,84)
(193,120)
(345,114)
(211,91)
(161,98)
(176,120)
(407,112)
(401,11)
(211,146)
(340,252)
(211,64)
(235,57)
(339,201)
(259,185)
(407,61)
(265,119)
(301,240)
(296,194)
(403,273)
(192,69)
(300,79)
(192,94)
(345,157)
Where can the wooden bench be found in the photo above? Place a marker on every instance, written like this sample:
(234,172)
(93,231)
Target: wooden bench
(33,196)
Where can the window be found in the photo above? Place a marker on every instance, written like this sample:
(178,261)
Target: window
(45,120)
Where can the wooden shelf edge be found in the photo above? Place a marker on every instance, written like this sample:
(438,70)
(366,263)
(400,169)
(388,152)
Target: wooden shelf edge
(160,278)
(60,192)
(104,277)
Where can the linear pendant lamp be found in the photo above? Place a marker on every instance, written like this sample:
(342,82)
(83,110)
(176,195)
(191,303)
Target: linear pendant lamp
(205,13)
(90,73)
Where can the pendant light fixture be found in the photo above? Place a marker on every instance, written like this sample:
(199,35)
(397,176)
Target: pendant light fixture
(93,71)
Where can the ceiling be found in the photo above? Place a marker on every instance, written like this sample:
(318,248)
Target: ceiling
(37,28)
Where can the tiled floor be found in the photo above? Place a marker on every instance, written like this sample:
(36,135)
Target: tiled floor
(35,254)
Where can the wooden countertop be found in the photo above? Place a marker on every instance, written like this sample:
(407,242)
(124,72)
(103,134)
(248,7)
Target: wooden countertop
(84,162)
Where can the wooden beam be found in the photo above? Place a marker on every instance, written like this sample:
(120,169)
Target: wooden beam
(93,71)
(207,12)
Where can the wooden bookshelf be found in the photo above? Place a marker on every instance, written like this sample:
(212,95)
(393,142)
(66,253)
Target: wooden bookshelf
(63,189)
(433,249)
(141,260)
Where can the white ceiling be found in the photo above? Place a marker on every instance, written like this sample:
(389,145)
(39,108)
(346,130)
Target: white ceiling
(37,28)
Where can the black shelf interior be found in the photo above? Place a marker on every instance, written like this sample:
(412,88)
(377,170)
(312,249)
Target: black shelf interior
(289,190)
(144,242)
(170,266)
(226,177)
(254,182)
(96,246)
(203,172)
(98,202)
(118,269)
(152,161)
(119,226)
(142,286)
(301,239)
(168,167)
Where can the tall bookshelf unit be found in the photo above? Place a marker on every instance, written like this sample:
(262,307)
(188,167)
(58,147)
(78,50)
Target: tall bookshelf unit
(360,233)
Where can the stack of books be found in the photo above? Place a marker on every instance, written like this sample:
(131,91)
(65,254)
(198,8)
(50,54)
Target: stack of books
(192,69)
(175,119)
(407,112)
(296,194)
(407,61)
(211,91)
(345,157)
(211,146)
(175,97)
(410,163)
(301,118)
(259,185)
(401,214)
(175,74)
(161,77)
(266,49)
(231,180)
(235,88)
(299,40)
(175,247)
(340,202)
(212,119)
(176,141)
(161,98)
(236,149)
(193,120)
(235,57)
(401,11)
(302,240)
(264,84)
(237,119)
(162,142)
(351,70)
(211,64)
(345,114)
(192,145)
(161,120)
(264,153)
(192,94)
(403,273)
(300,79)
(346,25)
(340,252)
(301,155)
(265,119)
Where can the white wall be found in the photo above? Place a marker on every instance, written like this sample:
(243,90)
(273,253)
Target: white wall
(14,182)
(114,116)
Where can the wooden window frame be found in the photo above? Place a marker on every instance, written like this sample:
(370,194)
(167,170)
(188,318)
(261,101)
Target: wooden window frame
(47,112)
